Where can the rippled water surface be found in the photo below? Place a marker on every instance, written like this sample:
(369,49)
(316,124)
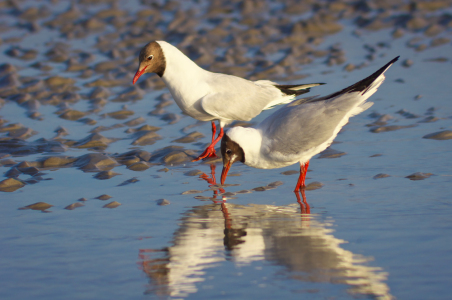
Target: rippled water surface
(166,229)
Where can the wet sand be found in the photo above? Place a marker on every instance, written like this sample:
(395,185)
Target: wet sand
(76,136)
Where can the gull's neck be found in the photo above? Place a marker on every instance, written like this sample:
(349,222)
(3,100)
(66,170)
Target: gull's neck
(182,76)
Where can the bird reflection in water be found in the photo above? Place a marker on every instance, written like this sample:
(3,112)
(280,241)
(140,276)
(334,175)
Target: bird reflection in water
(302,245)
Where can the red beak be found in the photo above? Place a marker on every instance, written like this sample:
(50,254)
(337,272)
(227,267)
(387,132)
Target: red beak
(138,74)
(225,171)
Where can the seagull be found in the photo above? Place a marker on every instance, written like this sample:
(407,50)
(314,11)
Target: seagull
(299,130)
(208,96)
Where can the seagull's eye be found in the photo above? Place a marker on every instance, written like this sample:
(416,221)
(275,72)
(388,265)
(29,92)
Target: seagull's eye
(150,57)
(229,151)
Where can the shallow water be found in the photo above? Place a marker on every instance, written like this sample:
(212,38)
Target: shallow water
(357,237)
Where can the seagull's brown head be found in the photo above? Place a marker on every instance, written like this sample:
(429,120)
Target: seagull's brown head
(231,152)
(151,60)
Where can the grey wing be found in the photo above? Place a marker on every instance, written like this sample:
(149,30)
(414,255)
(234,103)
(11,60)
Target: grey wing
(313,122)
(235,98)
(294,129)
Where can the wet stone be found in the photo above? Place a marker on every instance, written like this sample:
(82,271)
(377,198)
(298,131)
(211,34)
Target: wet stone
(331,153)
(57,81)
(228,194)
(143,128)
(429,119)
(72,115)
(141,154)
(135,122)
(128,181)
(105,66)
(276,183)
(82,199)
(163,202)
(10,185)
(113,204)
(143,138)
(381,175)
(193,173)
(32,171)
(244,192)
(260,189)
(56,161)
(290,172)
(376,155)
(94,140)
(382,120)
(94,162)
(74,206)
(440,135)
(103,197)
(178,157)
(139,166)
(191,192)
(389,128)
(171,118)
(13,173)
(120,114)
(105,175)
(42,206)
(163,170)
(313,186)
(419,176)
(190,138)
(407,63)
(407,114)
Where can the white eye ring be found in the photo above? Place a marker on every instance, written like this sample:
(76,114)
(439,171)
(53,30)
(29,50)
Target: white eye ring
(150,57)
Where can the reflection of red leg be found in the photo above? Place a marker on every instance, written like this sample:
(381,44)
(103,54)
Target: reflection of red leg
(210,150)
(304,205)
(302,177)
(212,180)
(227,217)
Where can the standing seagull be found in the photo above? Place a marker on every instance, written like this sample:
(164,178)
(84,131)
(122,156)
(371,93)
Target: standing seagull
(208,96)
(299,130)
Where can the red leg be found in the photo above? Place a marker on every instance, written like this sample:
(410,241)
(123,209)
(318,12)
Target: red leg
(210,150)
(302,177)
(214,131)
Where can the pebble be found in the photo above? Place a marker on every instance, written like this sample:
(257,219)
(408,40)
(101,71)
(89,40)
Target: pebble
(331,153)
(440,135)
(290,172)
(419,176)
(128,181)
(139,166)
(163,202)
(10,185)
(74,206)
(94,140)
(42,206)
(112,204)
(193,173)
(103,197)
(143,138)
(381,175)
(190,138)
(313,186)
(94,162)
(105,175)
(389,128)
(191,192)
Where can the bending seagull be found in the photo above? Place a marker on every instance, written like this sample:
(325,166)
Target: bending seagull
(208,96)
(299,130)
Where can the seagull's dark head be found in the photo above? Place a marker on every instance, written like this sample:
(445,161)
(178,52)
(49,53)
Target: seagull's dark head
(151,60)
(231,152)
